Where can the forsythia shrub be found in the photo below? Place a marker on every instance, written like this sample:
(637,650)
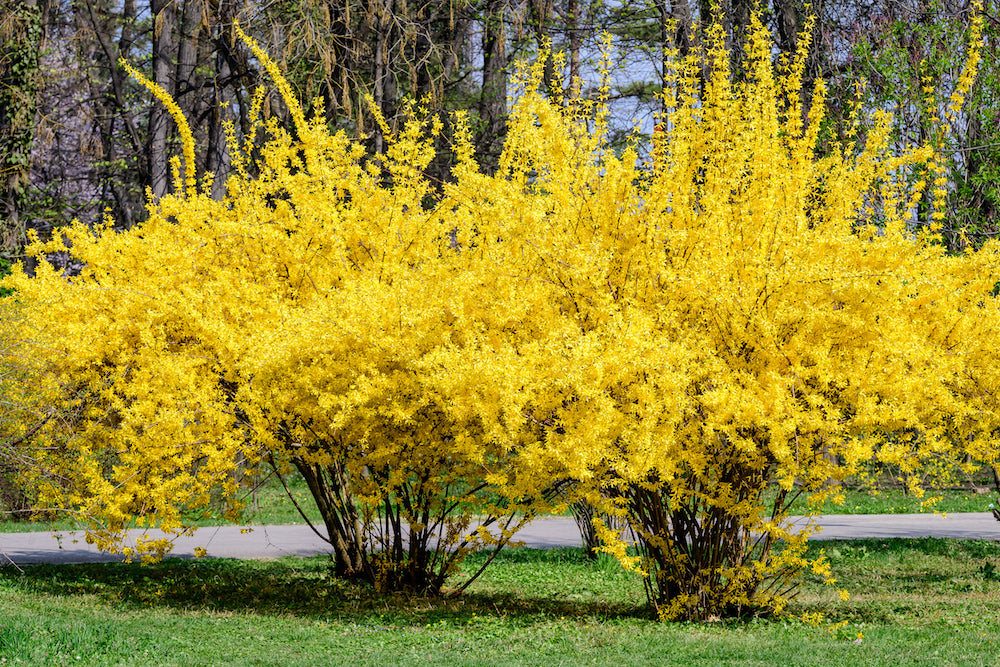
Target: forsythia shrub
(753,319)
(691,343)
(306,321)
(19,420)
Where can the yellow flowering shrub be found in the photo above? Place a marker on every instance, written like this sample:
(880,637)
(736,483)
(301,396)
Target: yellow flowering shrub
(692,343)
(20,419)
(745,321)
(307,321)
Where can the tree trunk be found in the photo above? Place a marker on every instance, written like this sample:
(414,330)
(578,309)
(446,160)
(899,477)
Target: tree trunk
(20,44)
(343,49)
(384,84)
(224,86)
(787,17)
(575,42)
(737,30)
(112,111)
(187,54)
(541,16)
(493,100)
(164,50)
(677,31)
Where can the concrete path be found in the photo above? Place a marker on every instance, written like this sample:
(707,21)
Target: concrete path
(547,532)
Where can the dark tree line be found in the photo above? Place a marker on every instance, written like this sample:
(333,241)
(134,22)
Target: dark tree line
(78,138)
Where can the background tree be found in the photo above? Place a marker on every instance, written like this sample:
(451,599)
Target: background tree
(896,54)
(21,31)
(99,145)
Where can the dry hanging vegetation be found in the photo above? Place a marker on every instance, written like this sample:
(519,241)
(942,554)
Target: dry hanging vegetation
(675,341)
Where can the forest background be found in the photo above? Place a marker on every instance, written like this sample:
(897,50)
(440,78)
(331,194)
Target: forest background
(79,138)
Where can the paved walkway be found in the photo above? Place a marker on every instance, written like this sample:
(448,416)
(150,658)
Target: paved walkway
(547,532)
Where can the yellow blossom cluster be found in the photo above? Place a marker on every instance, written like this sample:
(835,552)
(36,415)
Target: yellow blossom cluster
(691,342)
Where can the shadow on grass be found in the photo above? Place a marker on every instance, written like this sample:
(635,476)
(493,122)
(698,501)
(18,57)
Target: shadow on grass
(300,587)
(524,586)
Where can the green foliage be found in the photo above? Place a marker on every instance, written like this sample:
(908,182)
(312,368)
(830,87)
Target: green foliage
(911,67)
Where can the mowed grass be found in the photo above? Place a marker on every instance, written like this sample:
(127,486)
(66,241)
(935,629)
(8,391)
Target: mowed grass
(927,601)
(897,501)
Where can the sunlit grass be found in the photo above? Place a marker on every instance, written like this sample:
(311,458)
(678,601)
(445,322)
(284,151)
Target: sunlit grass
(925,601)
(897,501)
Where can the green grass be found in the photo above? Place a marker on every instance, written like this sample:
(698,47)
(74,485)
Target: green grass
(895,501)
(914,602)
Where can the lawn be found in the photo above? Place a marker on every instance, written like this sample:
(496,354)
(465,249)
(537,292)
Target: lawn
(926,601)
(896,501)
